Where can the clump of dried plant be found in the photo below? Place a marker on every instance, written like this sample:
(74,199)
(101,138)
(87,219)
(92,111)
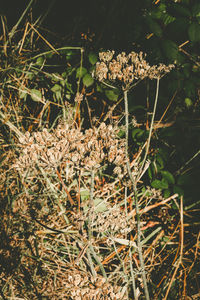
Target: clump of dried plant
(74,223)
(56,168)
(69,149)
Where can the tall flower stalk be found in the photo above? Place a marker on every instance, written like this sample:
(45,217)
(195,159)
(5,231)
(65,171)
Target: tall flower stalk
(137,209)
(128,70)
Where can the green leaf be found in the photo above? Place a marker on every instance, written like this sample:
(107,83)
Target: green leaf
(151,171)
(196,10)
(40,61)
(187,70)
(85,194)
(167,193)
(178,28)
(58,95)
(112,94)
(88,80)
(159,184)
(121,133)
(147,193)
(56,77)
(189,87)
(154,27)
(63,82)
(80,72)
(167,19)
(56,88)
(159,161)
(100,206)
(164,154)
(93,58)
(170,49)
(99,88)
(64,75)
(168,177)
(22,94)
(188,102)
(49,55)
(195,68)
(36,95)
(178,10)
(30,76)
(137,133)
(194,32)
(133,107)
(165,239)
(69,54)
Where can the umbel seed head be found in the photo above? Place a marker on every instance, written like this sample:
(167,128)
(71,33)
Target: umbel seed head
(127,68)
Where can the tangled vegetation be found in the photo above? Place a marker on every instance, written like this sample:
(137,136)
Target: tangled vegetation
(89,208)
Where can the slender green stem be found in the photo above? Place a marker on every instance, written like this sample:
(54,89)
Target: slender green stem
(51,51)
(81,66)
(20,19)
(91,206)
(94,274)
(187,162)
(151,128)
(133,277)
(134,184)
(98,262)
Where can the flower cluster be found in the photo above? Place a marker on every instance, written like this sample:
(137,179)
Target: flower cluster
(78,285)
(106,220)
(69,149)
(113,221)
(127,68)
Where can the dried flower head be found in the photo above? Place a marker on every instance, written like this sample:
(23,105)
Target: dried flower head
(78,97)
(69,148)
(106,56)
(127,68)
